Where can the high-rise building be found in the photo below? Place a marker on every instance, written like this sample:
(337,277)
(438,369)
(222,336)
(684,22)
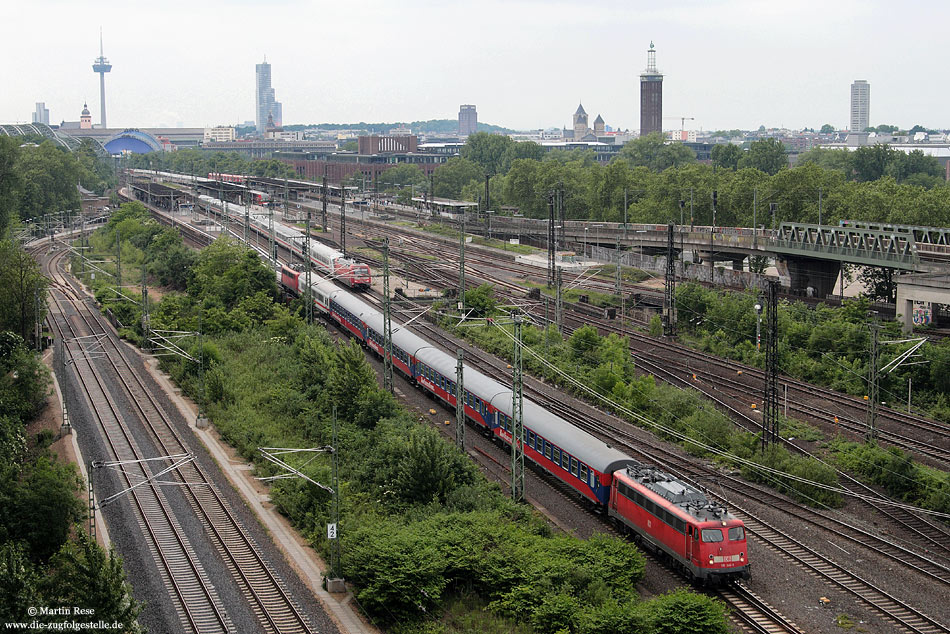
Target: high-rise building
(468,120)
(42,113)
(651,96)
(102,66)
(265,103)
(860,105)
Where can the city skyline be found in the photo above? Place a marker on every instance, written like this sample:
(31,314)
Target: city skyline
(727,64)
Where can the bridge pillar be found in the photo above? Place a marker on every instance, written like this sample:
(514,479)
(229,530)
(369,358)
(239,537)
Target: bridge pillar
(737,264)
(819,275)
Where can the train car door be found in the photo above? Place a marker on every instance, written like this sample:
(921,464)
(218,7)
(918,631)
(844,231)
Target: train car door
(691,545)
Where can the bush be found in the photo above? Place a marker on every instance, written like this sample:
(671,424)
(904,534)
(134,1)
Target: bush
(684,612)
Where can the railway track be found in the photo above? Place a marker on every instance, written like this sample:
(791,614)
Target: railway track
(900,613)
(195,599)
(268,599)
(750,611)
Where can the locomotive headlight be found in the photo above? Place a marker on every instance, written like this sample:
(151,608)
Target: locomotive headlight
(741,556)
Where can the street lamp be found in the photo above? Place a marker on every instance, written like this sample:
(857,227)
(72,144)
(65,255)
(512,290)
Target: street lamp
(586,229)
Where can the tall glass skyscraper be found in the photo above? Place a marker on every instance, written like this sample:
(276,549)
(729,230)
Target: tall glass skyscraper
(265,102)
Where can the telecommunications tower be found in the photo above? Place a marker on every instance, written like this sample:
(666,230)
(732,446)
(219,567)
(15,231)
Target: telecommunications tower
(102,66)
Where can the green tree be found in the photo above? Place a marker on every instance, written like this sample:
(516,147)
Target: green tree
(870,162)
(9,180)
(40,505)
(227,272)
(653,152)
(21,282)
(726,155)
(24,382)
(351,375)
(47,183)
(827,128)
(835,159)
(403,175)
(19,583)
(684,612)
(449,178)
(86,576)
(430,469)
(879,284)
(521,150)
(767,155)
(488,151)
(481,300)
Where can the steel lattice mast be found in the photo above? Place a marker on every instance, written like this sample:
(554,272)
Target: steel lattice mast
(387,323)
(517,418)
(770,409)
(461,292)
(670,287)
(459,403)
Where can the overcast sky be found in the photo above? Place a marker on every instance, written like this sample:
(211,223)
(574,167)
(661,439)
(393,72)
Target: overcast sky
(524,63)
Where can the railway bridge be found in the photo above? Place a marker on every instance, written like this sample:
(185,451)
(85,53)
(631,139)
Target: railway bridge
(811,255)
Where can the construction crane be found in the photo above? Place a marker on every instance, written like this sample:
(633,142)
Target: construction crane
(683,121)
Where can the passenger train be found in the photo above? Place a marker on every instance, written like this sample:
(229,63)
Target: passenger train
(664,514)
(325,258)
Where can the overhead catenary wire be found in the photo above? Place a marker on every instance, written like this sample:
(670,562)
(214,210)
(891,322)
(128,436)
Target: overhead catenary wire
(636,416)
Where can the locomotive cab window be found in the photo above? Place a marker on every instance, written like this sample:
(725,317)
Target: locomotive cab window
(736,534)
(712,535)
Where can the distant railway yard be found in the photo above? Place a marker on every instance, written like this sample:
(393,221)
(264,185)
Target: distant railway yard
(706,507)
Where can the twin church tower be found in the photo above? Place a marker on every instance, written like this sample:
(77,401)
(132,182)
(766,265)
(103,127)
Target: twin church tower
(651,106)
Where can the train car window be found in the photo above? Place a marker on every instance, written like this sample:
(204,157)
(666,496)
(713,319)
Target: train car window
(736,534)
(524,433)
(547,450)
(574,466)
(565,461)
(680,525)
(557,456)
(583,472)
(531,439)
(712,535)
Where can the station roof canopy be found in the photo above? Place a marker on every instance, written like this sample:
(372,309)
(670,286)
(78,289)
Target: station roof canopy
(446,202)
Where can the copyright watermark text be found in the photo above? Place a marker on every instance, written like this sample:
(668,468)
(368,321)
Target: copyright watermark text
(67,618)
